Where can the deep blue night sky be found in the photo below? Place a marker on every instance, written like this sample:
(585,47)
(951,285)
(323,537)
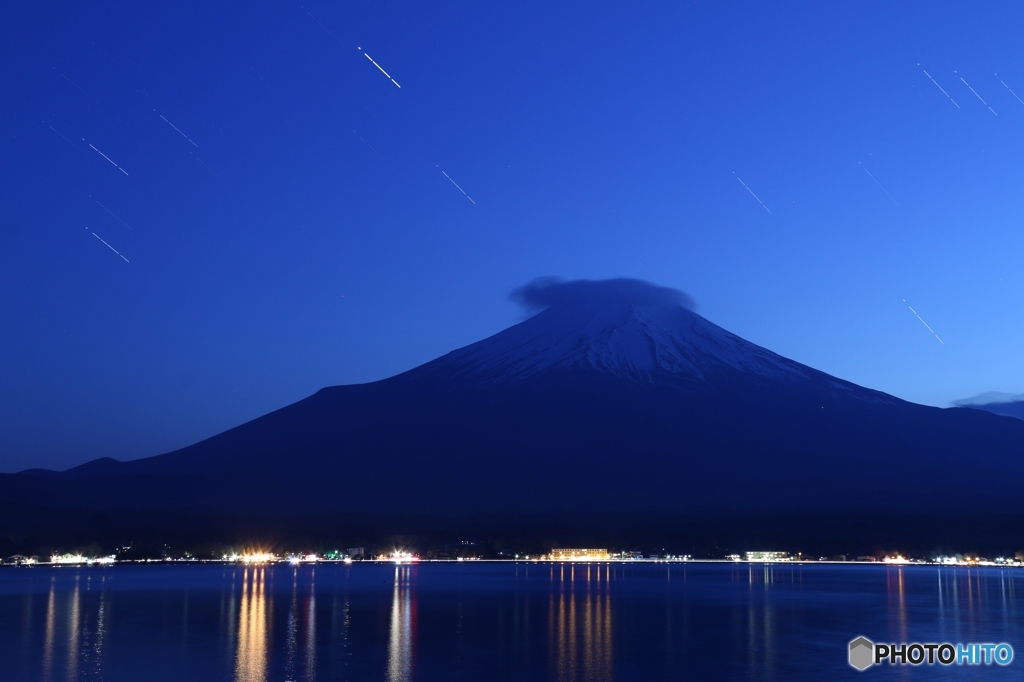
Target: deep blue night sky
(299,231)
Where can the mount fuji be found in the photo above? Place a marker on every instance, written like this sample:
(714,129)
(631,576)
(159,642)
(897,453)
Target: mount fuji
(621,328)
(615,406)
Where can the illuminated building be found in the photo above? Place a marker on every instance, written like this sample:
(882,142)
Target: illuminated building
(400,557)
(768,556)
(78,559)
(253,557)
(565,554)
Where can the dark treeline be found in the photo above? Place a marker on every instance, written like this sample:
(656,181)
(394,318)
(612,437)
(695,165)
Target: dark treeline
(154,534)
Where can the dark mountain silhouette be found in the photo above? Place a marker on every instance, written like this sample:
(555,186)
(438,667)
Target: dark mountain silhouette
(615,412)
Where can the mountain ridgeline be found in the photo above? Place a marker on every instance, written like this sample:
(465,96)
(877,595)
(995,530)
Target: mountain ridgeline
(615,414)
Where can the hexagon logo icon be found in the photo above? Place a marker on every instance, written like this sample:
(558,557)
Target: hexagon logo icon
(862,653)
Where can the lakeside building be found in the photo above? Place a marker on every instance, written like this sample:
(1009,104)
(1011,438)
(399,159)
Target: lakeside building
(568,554)
(768,557)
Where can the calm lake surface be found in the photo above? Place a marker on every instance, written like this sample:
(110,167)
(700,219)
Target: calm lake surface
(494,621)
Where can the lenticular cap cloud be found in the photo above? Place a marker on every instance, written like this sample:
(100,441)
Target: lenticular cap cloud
(547,292)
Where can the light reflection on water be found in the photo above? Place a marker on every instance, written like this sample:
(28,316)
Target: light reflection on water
(51,618)
(310,619)
(565,622)
(84,612)
(580,625)
(401,639)
(254,613)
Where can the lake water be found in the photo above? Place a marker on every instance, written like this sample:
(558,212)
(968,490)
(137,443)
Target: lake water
(494,621)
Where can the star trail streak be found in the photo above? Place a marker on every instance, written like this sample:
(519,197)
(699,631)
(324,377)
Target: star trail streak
(113,214)
(381,69)
(457,185)
(976,94)
(176,128)
(940,88)
(106,157)
(924,323)
(109,246)
(880,186)
(1011,91)
(753,195)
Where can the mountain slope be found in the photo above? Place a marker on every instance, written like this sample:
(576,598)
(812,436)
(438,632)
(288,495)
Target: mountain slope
(627,340)
(1005,404)
(620,401)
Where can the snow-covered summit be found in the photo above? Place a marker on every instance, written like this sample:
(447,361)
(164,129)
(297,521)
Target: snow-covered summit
(628,328)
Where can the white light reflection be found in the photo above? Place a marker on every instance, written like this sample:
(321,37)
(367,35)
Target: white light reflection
(293,631)
(311,629)
(73,619)
(760,618)
(403,627)
(51,617)
(101,630)
(897,603)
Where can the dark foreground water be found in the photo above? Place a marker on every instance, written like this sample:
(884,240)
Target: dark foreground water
(485,621)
